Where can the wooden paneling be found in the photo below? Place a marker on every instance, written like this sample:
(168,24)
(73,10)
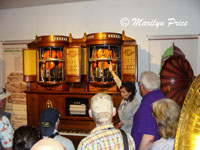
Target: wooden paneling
(37,101)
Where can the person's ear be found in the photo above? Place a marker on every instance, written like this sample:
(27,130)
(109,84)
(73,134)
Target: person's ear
(57,124)
(114,111)
(90,113)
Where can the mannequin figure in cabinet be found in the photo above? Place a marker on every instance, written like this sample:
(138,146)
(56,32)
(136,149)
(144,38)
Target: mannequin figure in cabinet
(129,104)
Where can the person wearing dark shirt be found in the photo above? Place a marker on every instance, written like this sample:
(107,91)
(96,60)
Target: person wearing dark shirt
(145,130)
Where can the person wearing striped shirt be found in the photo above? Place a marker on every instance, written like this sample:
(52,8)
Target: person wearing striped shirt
(104,135)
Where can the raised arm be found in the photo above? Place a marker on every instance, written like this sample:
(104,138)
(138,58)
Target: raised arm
(112,71)
(115,77)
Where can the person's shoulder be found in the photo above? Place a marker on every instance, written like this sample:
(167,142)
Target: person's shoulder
(4,120)
(156,145)
(84,143)
(130,141)
(129,136)
(157,92)
(91,138)
(152,96)
(59,137)
(65,142)
(135,103)
(163,144)
(136,100)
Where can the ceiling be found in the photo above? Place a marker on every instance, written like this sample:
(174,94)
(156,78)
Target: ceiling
(8,4)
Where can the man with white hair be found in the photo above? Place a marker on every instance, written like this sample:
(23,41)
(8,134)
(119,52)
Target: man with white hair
(6,130)
(145,130)
(104,135)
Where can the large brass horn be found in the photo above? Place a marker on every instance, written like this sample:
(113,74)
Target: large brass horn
(188,130)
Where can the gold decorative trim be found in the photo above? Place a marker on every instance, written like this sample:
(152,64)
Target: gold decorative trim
(129,59)
(188,130)
(49,104)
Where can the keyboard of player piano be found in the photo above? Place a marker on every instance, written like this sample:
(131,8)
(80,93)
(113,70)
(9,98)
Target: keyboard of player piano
(74,132)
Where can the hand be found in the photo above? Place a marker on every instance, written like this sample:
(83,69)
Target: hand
(118,125)
(110,66)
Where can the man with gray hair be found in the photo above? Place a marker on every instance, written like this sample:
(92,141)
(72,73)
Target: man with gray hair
(145,130)
(104,135)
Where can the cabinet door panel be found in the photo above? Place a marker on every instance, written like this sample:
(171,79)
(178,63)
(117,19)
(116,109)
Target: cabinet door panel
(30,65)
(129,63)
(32,109)
(73,64)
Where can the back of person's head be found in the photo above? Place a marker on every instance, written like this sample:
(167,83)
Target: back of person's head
(102,108)
(150,80)
(129,87)
(25,137)
(47,144)
(48,119)
(166,112)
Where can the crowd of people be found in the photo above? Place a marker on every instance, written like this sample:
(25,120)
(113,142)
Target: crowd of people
(147,125)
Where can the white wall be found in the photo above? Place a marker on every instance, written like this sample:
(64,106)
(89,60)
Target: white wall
(101,16)
(188,44)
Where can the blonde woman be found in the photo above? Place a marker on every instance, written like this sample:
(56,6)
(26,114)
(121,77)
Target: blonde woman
(166,113)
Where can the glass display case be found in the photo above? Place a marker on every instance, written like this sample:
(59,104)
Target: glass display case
(46,57)
(55,58)
(100,56)
(104,48)
(51,64)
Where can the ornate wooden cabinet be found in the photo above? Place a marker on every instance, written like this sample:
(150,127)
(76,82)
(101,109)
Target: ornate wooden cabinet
(64,72)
